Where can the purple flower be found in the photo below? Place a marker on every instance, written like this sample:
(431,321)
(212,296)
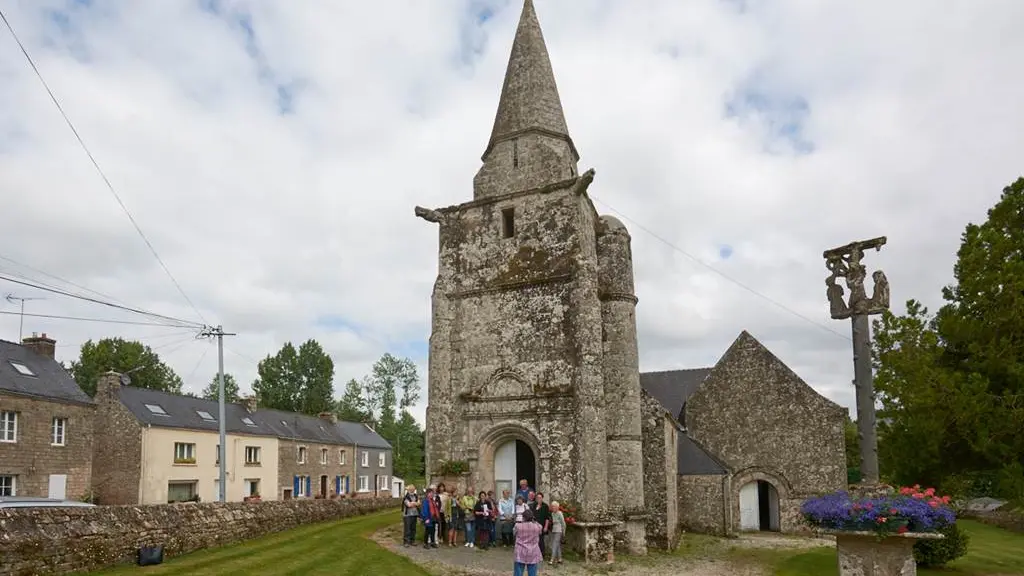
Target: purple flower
(886,515)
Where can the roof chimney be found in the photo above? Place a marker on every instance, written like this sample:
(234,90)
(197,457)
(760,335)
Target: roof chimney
(107,384)
(250,403)
(41,345)
(329,416)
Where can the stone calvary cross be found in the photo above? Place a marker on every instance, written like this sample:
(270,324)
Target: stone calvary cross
(845,262)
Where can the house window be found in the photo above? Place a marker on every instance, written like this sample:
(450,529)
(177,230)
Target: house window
(364,484)
(8,485)
(381,459)
(323,455)
(383,480)
(341,458)
(156,409)
(508,222)
(302,487)
(366,458)
(185,453)
(301,458)
(248,422)
(60,425)
(252,455)
(181,491)
(8,426)
(206,415)
(21,368)
(252,487)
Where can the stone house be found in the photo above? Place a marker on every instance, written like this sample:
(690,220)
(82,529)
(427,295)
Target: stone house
(46,424)
(755,441)
(163,447)
(533,359)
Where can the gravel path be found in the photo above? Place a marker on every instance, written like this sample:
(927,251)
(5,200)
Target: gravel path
(460,561)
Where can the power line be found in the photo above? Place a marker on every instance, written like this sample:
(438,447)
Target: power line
(97,166)
(196,367)
(720,273)
(59,279)
(81,319)
(178,322)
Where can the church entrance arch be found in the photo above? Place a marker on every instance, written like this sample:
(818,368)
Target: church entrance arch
(508,453)
(759,506)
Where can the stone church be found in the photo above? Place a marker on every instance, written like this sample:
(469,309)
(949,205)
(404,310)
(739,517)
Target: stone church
(533,365)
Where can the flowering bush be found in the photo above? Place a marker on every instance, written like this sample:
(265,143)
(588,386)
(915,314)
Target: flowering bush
(568,511)
(910,510)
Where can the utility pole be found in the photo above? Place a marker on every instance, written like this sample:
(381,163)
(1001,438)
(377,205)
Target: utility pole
(845,262)
(220,334)
(21,322)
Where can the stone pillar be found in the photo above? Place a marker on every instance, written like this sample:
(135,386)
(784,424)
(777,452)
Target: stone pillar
(440,393)
(864,554)
(620,367)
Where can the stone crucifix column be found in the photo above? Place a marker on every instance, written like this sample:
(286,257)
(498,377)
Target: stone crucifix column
(845,262)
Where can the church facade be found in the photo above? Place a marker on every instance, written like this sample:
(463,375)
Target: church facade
(533,365)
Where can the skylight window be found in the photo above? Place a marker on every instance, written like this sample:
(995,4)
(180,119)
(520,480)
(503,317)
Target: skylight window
(22,369)
(204,415)
(248,422)
(156,409)
(283,422)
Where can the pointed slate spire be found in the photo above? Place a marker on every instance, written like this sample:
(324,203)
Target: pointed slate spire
(529,96)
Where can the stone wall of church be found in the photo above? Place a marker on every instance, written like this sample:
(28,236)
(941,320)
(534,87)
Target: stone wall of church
(702,504)
(761,420)
(660,473)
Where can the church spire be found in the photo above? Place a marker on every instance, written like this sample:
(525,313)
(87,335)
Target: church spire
(529,97)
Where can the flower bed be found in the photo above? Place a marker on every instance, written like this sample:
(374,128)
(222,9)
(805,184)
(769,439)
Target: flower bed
(910,510)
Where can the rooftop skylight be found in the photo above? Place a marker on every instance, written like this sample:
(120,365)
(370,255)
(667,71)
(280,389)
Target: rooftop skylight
(248,422)
(156,409)
(205,415)
(22,369)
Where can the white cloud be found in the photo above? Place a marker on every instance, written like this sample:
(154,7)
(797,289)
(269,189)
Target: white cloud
(272,152)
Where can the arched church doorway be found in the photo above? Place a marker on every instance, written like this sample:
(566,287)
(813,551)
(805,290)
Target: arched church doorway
(513,461)
(759,506)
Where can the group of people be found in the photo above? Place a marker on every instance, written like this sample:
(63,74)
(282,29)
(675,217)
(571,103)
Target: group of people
(526,522)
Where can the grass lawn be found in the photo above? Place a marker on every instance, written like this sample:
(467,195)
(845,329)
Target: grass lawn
(338,548)
(991,551)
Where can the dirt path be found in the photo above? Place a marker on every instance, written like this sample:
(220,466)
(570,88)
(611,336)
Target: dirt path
(460,561)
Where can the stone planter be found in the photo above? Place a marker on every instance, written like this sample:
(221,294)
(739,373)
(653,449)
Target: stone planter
(867,554)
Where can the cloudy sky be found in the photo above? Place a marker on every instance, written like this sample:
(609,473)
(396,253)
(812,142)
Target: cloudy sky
(272,152)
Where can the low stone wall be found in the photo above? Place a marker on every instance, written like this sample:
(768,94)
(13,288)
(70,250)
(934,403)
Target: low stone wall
(1007,517)
(37,541)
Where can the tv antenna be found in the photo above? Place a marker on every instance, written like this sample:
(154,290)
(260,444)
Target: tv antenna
(21,321)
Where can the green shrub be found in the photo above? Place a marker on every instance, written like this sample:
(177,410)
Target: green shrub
(932,553)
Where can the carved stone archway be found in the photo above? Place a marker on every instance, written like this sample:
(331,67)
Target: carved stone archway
(495,437)
(781,515)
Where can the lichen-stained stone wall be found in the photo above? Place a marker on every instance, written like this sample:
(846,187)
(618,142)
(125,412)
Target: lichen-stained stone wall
(761,420)
(659,486)
(702,508)
(64,540)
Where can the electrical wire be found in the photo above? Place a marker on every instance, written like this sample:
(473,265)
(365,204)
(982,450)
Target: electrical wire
(59,279)
(722,274)
(81,319)
(96,165)
(179,323)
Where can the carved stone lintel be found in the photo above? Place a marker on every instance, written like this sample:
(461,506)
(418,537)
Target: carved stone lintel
(430,215)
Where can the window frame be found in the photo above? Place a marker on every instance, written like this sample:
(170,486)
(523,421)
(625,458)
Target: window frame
(325,456)
(341,457)
(301,454)
(382,460)
(188,453)
(365,459)
(363,484)
(9,424)
(13,488)
(63,428)
(257,452)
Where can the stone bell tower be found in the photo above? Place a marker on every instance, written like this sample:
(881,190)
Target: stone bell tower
(533,370)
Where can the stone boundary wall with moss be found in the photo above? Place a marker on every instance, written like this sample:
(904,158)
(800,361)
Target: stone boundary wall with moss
(37,541)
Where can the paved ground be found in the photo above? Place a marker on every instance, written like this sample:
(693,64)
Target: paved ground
(460,561)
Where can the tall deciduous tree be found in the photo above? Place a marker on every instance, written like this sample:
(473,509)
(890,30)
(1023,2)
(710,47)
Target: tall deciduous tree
(297,380)
(352,406)
(953,385)
(231,392)
(389,391)
(120,355)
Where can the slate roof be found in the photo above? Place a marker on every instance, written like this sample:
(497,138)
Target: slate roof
(673,387)
(50,381)
(692,460)
(183,412)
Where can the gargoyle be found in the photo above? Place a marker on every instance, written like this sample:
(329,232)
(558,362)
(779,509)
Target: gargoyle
(430,215)
(583,181)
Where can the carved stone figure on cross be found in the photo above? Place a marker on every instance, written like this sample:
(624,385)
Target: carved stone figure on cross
(845,262)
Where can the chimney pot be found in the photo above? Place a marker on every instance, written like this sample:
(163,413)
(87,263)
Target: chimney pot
(250,403)
(330,417)
(42,345)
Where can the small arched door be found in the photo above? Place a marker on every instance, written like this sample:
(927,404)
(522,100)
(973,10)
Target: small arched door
(759,506)
(513,461)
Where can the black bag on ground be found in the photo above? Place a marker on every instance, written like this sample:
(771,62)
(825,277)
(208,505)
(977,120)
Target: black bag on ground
(151,555)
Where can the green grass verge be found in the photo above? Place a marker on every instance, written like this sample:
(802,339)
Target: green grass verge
(992,551)
(340,548)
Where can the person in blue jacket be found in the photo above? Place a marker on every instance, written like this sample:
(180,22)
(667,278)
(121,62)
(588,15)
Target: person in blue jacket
(430,515)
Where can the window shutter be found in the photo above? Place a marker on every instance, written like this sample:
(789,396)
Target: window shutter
(309,485)
(347,487)
(337,484)
(295,491)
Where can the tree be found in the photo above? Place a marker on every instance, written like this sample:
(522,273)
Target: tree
(952,384)
(352,406)
(143,366)
(231,393)
(391,388)
(297,381)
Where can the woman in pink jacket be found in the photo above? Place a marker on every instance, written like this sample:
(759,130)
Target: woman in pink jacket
(527,534)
